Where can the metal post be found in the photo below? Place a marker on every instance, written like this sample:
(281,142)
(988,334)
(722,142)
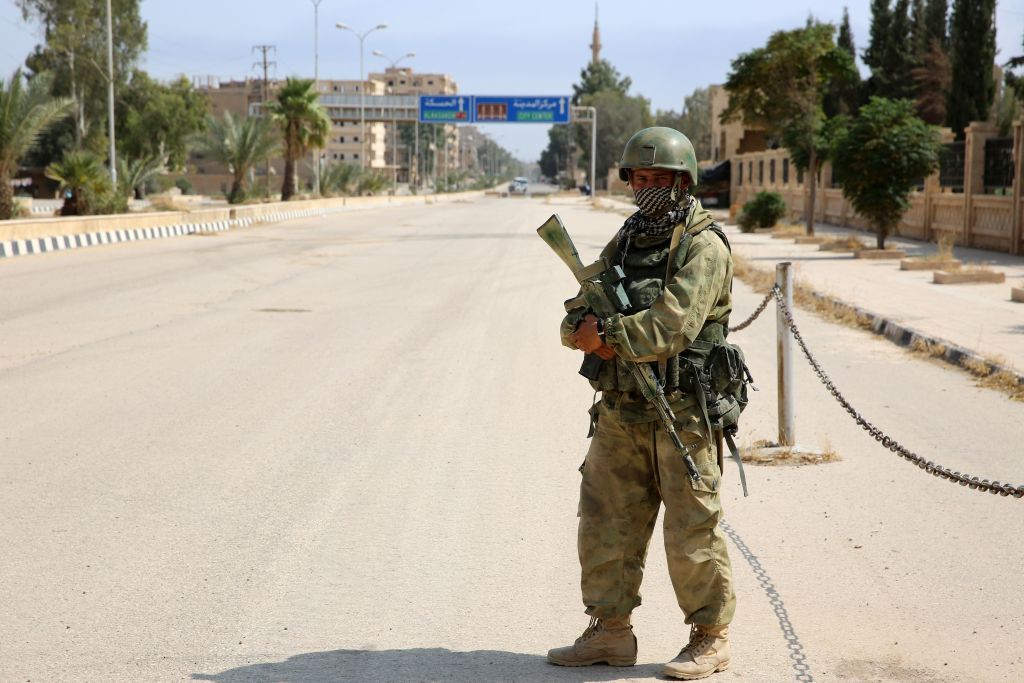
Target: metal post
(110,92)
(316,78)
(362,87)
(416,142)
(787,422)
(593,151)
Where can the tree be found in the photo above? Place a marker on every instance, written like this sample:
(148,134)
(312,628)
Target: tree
(781,87)
(890,54)
(618,117)
(972,51)
(303,123)
(843,96)
(874,55)
(931,81)
(598,76)
(75,51)
(159,120)
(338,179)
(83,180)
(555,157)
(241,144)
(133,174)
(26,111)
(1014,80)
(885,151)
(694,122)
(935,22)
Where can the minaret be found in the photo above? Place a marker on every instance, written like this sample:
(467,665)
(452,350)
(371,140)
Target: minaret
(595,46)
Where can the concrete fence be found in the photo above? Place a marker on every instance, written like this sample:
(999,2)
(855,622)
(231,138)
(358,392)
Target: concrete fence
(39,235)
(971,218)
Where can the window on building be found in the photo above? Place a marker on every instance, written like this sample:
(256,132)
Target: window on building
(416,84)
(335,88)
(739,178)
(771,171)
(355,138)
(341,139)
(760,172)
(401,82)
(430,82)
(799,176)
(750,171)
(391,83)
(355,156)
(343,156)
(785,171)
(335,155)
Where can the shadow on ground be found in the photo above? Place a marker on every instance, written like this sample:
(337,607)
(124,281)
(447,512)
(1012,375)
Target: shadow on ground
(422,664)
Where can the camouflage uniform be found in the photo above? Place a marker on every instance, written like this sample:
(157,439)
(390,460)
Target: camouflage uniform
(632,466)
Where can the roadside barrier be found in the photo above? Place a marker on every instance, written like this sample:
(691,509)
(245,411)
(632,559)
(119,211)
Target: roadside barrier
(782,293)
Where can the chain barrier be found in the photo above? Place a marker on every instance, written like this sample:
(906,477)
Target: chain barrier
(758,311)
(963,479)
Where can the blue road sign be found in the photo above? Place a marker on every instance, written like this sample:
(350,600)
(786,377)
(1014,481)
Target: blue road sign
(446,109)
(520,109)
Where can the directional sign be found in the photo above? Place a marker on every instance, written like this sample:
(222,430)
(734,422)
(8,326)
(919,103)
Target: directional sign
(494,109)
(446,109)
(520,109)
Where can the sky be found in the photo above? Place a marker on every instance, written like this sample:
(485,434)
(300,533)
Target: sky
(513,47)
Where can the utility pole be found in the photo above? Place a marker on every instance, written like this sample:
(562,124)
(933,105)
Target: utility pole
(263,94)
(316,78)
(110,92)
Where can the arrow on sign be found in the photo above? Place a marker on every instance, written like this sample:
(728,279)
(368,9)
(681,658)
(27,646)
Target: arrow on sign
(561,105)
(462,101)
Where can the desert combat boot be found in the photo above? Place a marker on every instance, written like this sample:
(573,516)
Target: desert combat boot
(706,653)
(606,641)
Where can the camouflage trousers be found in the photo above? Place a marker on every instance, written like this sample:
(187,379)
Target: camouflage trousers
(630,470)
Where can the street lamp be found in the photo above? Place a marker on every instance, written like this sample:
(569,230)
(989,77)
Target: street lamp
(394,123)
(316,79)
(362,85)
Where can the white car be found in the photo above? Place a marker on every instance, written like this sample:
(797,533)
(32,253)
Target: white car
(518,186)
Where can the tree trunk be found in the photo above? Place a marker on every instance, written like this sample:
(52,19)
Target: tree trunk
(812,168)
(288,185)
(236,190)
(6,196)
(883,232)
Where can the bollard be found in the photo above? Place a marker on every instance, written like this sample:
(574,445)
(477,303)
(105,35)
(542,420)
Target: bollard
(787,422)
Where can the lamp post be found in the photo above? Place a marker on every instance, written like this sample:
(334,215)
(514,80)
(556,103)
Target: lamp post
(394,123)
(362,86)
(110,93)
(316,79)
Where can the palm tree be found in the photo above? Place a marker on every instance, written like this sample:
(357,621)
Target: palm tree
(25,113)
(241,144)
(302,120)
(83,181)
(133,175)
(339,178)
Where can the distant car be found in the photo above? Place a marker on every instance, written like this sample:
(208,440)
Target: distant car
(519,185)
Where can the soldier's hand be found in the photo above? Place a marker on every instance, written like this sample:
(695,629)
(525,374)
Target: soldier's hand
(586,337)
(605,352)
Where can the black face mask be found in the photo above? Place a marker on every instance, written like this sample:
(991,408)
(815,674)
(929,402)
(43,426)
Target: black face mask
(654,201)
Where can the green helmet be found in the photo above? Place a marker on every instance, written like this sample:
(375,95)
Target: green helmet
(659,147)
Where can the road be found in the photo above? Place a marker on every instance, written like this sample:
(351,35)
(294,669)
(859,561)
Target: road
(345,448)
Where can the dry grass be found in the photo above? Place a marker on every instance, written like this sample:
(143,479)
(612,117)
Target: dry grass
(165,204)
(843,243)
(786,457)
(788,229)
(927,348)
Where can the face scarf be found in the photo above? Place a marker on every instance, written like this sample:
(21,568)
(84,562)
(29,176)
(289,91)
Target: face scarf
(659,209)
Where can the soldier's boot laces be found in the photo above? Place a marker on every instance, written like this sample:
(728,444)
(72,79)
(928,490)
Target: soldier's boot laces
(706,653)
(606,641)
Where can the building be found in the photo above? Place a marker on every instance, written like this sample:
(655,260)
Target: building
(735,137)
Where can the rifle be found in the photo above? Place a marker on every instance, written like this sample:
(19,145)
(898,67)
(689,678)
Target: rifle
(601,292)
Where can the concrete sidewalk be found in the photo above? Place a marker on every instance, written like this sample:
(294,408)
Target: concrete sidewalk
(976,317)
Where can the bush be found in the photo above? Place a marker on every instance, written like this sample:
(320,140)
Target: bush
(763,211)
(184,185)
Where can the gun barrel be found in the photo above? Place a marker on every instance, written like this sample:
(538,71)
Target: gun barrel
(555,235)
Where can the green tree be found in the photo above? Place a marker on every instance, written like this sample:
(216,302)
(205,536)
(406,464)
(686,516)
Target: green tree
(694,121)
(1014,80)
(843,96)
(875,53)
(972,52)
(134,174)
(881,156)
(890,55)
(781,87)
(599,76)
(935,12)
(303,123)
(26,111)
(83,180)
(618,117)
(159,120)
(339,179)
(241,144)
(554,158)
(75,51)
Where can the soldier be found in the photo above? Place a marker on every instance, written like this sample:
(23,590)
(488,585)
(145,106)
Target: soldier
(631,468)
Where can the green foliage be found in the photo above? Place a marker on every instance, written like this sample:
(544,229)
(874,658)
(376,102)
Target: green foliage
(84,182)
(75,51)
(694,122)
(159,120)
(597,77)
(303,123)
(26,111)
(763,211)
(184,185)
(134,174)
(885,151)
(240,144)
(619,116)
(842,96)
(972,51)
(338,180)
(371,182)
(554,159)
(1014,80)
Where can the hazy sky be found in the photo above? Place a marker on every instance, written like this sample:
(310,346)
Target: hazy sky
(513,47)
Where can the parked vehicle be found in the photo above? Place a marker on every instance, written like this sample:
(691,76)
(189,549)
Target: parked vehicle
(519,185)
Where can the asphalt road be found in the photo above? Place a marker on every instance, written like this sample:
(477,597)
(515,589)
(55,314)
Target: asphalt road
(345,448)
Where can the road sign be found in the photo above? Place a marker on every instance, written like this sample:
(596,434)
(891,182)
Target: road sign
(494,109)
(446,109)
(520,109)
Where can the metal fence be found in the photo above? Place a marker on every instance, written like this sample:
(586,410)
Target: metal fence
(999,166)
(951,166)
